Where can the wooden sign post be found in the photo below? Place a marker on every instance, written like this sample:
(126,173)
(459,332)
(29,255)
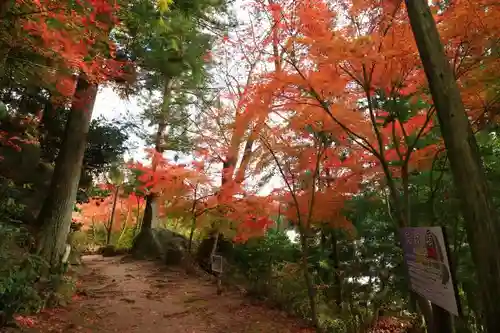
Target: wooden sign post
(217,267)
(426,256)
(217,263)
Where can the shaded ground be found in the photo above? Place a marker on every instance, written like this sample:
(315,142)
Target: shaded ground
(130,296)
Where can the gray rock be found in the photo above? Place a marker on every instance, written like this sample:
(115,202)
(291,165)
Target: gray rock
(163,244)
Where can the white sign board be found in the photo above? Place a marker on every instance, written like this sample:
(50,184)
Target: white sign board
(428,266)
(217,263)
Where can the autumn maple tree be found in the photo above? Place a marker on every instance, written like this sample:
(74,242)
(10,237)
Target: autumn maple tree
(316,185)
(112,213)
(372,88)
(76,37)
(368,94)
(230,130)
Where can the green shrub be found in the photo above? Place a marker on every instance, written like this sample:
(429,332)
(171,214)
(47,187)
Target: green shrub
(63,288)
(19,273)
(258,258)
(270,268)
(10,209)
(78,241)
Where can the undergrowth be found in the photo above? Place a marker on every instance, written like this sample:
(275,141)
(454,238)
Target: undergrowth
(19,274)
(268,269)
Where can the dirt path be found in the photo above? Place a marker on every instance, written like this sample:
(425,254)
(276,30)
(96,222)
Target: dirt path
(125,296)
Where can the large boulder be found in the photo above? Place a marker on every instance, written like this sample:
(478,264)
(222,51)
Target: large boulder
(163,244)
(204,251)
(174,246)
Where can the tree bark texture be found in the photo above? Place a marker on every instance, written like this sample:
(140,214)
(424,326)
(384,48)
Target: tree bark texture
(55,215)
(112,217)
(337,279)
(311,291)
(482,225)
(4,6)
(148,219)
(145,243)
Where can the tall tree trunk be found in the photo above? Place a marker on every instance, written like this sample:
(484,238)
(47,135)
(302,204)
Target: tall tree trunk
(112,217)
(55,215)
(323,273)
(337,279)
(191,234)
(147,220)
(137,222)
(482,225)
(402,217)
(193,219)
(149,211)
(145,244)
(147,217)
(311,292)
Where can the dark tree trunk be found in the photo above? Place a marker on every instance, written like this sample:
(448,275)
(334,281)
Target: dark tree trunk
(145,244)
(112,217)
(311,292)
(442,320)
(137,223)
(191,234)
(482,225)
(147,218)
(193,220)
(4,6)
(323,273)
(337,279)
(55,215)
(49,136)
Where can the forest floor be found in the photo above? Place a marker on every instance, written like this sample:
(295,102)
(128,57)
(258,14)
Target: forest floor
(120,295)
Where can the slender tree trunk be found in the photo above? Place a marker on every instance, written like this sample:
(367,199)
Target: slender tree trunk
(311,292)
(55,215)
(191,234)
(112,217)
(137,220)
(323,244)
(193,222)
(124,228)
(337,279)
(122,233)
(147,220)
(214,245)
(402,217)
(213,252)
(482,225)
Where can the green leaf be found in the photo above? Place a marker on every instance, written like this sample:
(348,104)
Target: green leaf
(175,45)
(164,5)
